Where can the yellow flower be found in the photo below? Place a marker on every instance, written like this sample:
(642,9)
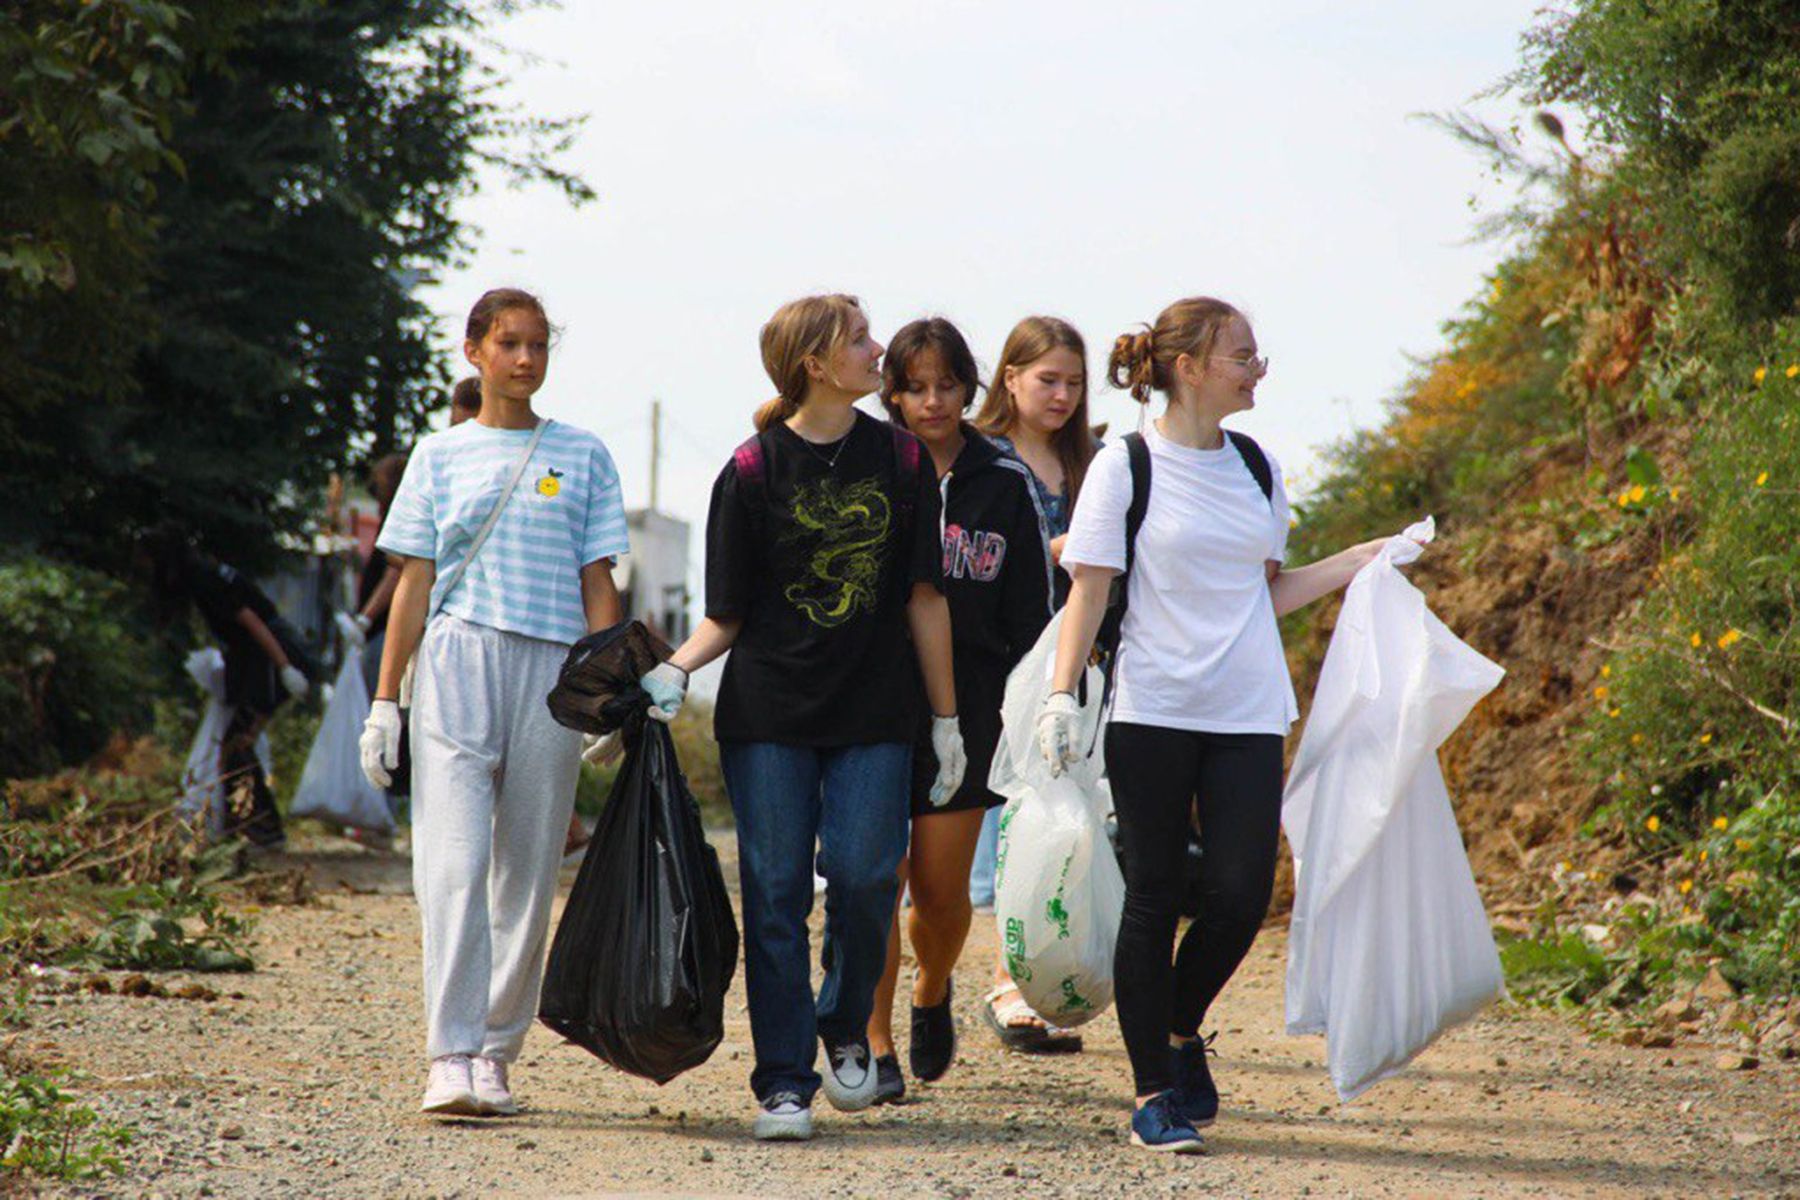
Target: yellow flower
(1675,493)
(1760,374)
(1703,856)
(1566,865)
(1653,824)
(1792,371)
(1600,692)
(1694,641)
(1687,885)
(1606,672)
(1624,499)
(1637,739)
(1742,844)
(1729,638)
(1721,823)
(1636,494)
(1762,479)
(1705,738)
(1615,712)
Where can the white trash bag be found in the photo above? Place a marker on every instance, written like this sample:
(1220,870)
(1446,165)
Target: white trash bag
(1058,893)
(333,787)
(200,787)
(1389,944)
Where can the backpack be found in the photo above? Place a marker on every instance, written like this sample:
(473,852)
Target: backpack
(1118,598)
(751,459)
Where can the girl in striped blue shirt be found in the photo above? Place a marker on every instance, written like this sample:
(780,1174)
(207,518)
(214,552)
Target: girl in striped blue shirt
(493,776)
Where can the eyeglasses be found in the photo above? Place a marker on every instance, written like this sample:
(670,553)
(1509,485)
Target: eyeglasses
(1253,364)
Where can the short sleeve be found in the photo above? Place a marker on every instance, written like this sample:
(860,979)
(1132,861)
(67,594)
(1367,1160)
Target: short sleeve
(731,549)
(1284,517)
(605,534)
(926,554)
(410,530)
(1097,527)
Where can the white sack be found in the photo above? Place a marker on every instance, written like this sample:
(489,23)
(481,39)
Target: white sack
(200,790)
(1389,944)
(333,787)
(1058,894)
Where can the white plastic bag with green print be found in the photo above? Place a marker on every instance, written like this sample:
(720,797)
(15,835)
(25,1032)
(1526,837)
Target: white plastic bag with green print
(1058,893)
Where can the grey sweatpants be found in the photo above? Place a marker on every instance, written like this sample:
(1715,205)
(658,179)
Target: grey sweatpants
(493,784)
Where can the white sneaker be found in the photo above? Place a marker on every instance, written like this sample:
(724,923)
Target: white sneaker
(451,1088)
(490,1088)
(850,1079)
(783,1117)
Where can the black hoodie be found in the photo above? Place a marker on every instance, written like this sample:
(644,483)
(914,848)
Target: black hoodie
(998,584)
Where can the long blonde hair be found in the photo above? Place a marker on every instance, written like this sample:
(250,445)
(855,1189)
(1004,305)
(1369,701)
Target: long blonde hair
(1029,341)
(810,327)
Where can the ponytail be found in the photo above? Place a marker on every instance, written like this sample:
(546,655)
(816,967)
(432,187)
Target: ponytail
(810,327)
(1144,362)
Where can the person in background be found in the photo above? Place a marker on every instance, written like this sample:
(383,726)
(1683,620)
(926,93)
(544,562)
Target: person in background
(493,774)
(1203,699)
(265,666)
(997,582)
(1036,413)
(822,555)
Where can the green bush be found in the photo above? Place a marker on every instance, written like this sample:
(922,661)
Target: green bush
(1694,723)
(698,754)
(71,673)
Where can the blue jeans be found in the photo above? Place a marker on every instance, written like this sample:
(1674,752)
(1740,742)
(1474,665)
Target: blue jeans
(854,801)
(981,872)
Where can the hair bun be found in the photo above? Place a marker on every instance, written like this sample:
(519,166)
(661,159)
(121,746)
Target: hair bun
(1132,363)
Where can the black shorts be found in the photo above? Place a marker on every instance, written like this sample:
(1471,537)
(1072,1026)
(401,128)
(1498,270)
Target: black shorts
(979,716)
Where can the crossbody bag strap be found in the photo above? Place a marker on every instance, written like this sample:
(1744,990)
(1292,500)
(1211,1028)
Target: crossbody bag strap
(493,517)
(481,536)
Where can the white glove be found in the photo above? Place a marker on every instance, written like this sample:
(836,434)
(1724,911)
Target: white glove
(667,685)
(354,628)
(1057,723)
(380,743)
(953,761)
(294,680)
(601,748)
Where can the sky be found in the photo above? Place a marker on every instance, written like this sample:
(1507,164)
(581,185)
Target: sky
(984,161)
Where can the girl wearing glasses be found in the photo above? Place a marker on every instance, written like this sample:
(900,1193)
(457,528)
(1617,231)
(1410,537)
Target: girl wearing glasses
(1203,698)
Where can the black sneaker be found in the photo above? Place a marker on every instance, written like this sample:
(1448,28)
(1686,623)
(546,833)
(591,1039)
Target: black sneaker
(849,1077)
(890,1085)
(933,1046)
(1195,1096)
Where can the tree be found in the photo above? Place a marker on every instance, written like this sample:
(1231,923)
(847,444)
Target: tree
(259,331)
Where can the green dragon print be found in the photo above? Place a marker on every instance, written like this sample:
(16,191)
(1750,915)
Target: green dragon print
(849,525)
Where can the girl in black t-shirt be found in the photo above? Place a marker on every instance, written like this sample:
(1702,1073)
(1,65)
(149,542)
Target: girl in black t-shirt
(997,581)
(822,555)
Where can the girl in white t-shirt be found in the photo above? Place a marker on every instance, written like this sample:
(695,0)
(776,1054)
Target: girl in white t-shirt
(1203,699)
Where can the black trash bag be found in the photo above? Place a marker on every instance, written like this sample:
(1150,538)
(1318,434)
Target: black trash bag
(601,673)
(648,944)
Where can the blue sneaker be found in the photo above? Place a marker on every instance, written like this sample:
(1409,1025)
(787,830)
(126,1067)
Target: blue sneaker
(1159,1126)
(1195,1096)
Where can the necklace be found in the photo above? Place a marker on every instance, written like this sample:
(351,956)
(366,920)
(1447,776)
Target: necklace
(814,450)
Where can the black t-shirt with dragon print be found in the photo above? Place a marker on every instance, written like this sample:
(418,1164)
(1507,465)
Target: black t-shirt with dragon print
(818,558)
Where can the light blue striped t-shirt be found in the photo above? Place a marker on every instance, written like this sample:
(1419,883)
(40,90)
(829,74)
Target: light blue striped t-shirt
(566,513)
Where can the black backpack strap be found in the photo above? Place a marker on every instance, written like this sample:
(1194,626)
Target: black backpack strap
(1112,625)
(1256,460)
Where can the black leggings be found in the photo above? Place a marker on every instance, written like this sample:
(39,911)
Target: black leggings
(1159,776)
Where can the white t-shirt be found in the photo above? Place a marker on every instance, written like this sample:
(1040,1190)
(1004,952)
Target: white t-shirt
(1199,649)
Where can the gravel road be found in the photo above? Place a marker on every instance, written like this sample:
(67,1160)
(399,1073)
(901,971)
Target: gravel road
(308,1086)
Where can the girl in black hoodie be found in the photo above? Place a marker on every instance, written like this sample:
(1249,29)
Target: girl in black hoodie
(997,579)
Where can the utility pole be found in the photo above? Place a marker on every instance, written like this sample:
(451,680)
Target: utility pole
(655,446)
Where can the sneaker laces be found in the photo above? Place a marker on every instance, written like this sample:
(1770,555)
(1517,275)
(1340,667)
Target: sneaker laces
(781,1100)
(490,1070)
(855,1052)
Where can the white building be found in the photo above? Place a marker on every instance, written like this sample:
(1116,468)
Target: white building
(653,579)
